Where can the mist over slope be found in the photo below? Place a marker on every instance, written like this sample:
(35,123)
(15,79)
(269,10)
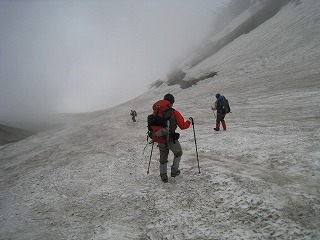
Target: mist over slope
(15,131)
(10,134)
(259,179)
(238,18)
(233,21)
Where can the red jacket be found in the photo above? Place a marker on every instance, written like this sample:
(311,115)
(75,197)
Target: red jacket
(180,120)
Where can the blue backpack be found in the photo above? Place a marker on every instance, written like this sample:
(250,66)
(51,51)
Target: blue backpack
(223,105)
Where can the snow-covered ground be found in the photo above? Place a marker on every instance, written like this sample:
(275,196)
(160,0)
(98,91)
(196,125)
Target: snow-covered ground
(260,179)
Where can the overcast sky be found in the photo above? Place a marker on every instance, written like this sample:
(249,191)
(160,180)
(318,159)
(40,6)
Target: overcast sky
(85,55)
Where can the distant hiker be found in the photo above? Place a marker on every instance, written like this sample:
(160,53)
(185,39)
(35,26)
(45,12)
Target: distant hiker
(222,107)
(162,125)
(133,115)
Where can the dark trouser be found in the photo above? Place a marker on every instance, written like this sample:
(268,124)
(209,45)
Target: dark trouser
(220,118)
(164,152)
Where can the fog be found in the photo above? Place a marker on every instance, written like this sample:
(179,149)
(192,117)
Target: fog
(86,55)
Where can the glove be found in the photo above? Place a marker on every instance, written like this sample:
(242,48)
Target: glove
(176,136)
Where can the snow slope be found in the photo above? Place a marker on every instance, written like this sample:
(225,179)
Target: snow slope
(259,179)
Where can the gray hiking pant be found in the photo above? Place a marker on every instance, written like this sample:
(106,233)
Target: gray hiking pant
(164,152)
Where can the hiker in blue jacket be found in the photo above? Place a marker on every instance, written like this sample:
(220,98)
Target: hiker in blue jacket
(221,112)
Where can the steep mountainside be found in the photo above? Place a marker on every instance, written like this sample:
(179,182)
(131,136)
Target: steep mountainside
(259,12)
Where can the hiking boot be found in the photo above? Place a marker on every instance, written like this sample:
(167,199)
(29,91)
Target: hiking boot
(216,129)
(164,177)
(174,174)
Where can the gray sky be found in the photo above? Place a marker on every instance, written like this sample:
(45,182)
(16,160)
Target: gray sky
(85,55)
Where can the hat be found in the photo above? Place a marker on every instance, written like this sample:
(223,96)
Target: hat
(217,95)
(169,97)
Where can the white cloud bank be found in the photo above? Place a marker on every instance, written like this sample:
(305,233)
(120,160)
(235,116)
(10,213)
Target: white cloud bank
(77,56)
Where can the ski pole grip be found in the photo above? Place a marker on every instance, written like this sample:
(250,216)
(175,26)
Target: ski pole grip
(191,119)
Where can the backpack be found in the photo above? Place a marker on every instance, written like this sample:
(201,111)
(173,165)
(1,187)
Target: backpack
(224,105)
(133,113)
(162,117)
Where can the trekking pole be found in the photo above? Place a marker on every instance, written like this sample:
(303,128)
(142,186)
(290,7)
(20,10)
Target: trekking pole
(150,158)
(195,142)
(147,143)
(145,148)
(213,112)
